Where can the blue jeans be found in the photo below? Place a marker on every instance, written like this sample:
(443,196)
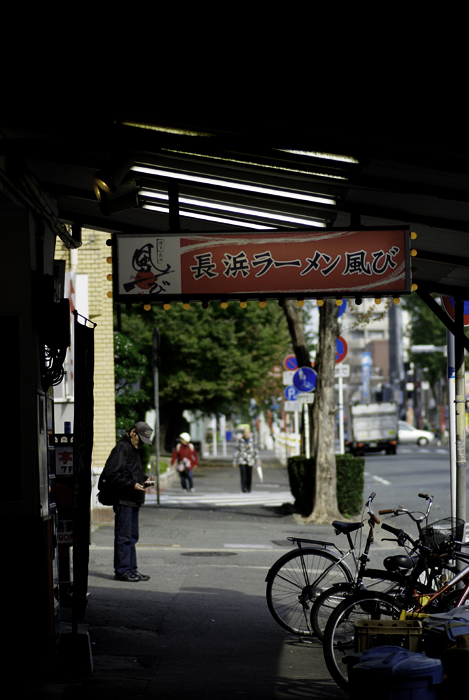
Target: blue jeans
(187,476)
(125,539)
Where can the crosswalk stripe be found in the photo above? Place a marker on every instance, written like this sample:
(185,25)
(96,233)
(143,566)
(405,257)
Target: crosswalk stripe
(223,499)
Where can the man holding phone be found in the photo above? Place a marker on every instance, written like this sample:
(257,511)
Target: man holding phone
(124,478)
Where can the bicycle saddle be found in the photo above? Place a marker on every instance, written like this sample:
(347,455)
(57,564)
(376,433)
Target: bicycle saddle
(343,528)
(399,561)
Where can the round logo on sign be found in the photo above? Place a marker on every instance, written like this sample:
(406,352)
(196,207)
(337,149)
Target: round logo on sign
(304,379)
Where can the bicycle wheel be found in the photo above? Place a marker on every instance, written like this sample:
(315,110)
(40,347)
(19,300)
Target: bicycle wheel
(339,635)
(295,581)
(448,601)
(325,604)
(329,600)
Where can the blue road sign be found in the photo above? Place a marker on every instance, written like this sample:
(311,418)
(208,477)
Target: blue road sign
(290,363)
(341,349)
(304,379)
(448,305)
(290,393)
(342,308)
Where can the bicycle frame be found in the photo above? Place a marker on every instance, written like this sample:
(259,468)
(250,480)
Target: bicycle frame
(430,597)
(360,563)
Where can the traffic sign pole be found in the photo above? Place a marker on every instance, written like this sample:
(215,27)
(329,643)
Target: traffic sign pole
(341,416)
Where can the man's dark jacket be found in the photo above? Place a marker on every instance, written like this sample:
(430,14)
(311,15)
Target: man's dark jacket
(123,469)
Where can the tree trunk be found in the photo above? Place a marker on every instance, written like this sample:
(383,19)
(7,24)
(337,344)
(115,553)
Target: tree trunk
(325,508)
(297,334)
(300,348)
(172,424)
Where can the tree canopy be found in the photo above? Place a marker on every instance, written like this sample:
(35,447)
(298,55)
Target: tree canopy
(129,366)
(425,328)
(211,359)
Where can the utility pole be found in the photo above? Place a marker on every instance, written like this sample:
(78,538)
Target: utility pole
(156,365)
(460,405)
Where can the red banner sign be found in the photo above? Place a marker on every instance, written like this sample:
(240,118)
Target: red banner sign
(252,265)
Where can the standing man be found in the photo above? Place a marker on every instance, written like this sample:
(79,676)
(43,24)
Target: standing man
(123,482)
(247,457)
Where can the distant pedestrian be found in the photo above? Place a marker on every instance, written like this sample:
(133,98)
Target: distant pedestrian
(186,459)
(122,484)
(247,457)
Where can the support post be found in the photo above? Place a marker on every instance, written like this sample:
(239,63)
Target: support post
(156,364)
(451,419)
(341,416)
(460,403)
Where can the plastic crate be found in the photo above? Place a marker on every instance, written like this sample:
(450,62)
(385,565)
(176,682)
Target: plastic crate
(443,532)
(400,633)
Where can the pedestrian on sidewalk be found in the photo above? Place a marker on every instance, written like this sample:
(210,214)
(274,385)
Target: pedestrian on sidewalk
(122,484)
(247,457)
(186,459)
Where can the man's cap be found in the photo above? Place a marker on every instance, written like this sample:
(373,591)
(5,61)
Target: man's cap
(144,431)
(185,436)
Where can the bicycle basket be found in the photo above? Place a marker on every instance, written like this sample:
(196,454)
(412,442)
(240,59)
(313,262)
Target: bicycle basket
(443,532)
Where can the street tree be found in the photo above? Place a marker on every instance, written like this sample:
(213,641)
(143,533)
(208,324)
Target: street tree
(425,328)
(129,367)
(211,359)
(325,508)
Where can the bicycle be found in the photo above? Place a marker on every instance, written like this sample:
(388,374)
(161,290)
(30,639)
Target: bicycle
(414,600)
(299,577)
(397,574)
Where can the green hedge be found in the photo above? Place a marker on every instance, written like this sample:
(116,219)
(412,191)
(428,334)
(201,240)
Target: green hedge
(350,483)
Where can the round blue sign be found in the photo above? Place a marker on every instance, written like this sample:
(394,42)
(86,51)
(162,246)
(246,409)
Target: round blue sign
(448,304)
(341,349)
(304,379)
(290,363)
(290,393)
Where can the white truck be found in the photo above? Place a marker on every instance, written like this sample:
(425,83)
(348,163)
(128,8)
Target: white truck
(373,428)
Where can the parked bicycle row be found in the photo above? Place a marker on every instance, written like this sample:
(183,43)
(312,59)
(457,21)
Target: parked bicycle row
(320,590)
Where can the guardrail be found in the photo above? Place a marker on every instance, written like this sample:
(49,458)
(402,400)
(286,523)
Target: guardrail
(287,445)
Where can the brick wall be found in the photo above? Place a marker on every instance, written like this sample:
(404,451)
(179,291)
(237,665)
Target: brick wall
(91,260)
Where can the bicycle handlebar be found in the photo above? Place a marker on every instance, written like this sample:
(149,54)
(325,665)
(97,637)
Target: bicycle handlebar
(400,510)
(390,528)
(400,534)
(370,512)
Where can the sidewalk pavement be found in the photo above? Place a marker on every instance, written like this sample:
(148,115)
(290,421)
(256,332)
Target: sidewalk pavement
(200,627)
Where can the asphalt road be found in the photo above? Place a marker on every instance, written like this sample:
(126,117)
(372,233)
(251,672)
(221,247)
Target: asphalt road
(398,479)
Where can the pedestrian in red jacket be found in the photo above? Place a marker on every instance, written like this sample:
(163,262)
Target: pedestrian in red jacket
(186,459)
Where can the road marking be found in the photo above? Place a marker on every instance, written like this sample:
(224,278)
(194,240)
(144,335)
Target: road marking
(378,478)
(248,546)
(190,500)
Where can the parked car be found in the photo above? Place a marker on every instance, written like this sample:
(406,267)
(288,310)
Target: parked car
(408,435)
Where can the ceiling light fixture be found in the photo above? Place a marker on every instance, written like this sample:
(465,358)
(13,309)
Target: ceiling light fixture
(259,164)
(166,129)
(301,196)
(108,179)
(237,210)
(206,217)
(325,156)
